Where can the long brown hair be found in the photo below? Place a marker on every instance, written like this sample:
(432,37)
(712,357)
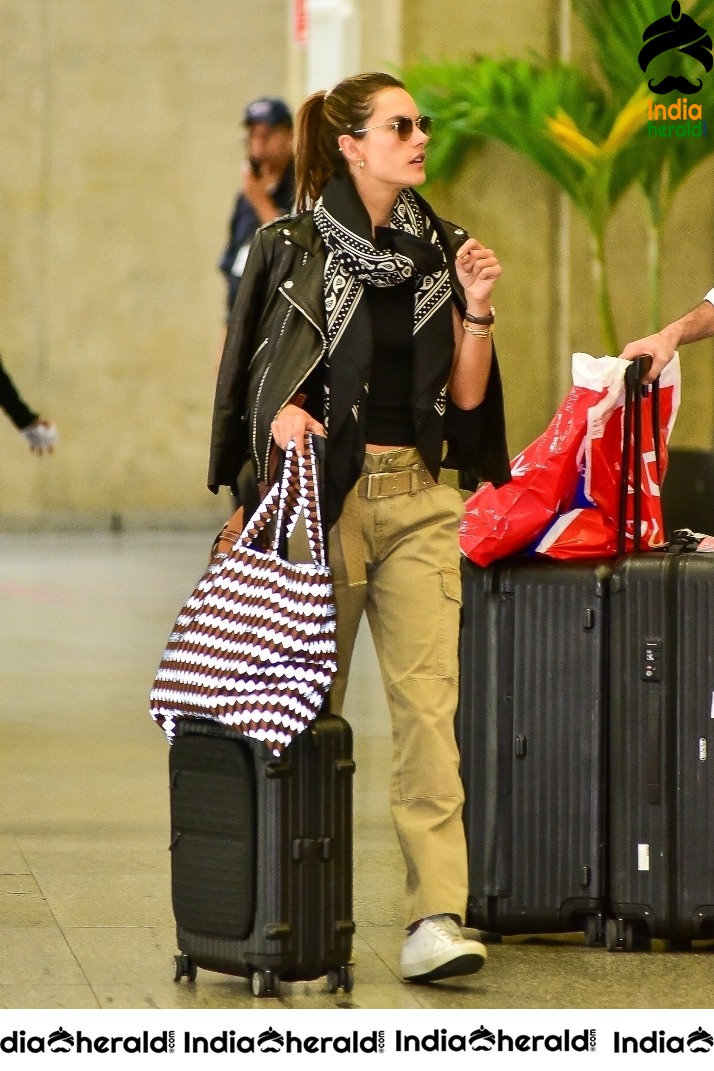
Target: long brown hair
(320,121)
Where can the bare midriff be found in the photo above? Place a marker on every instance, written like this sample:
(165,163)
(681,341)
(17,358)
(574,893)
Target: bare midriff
(372,448)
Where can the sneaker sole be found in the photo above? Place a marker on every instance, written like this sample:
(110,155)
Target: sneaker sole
(468,964)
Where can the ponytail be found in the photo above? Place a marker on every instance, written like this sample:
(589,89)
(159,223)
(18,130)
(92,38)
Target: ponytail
(316,158)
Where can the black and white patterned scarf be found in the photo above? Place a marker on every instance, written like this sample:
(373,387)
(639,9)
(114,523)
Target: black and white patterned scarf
(409,249)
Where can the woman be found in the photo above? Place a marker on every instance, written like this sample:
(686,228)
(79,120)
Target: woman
(367,319)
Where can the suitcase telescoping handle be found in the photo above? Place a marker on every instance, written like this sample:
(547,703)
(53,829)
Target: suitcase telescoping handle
(635,390)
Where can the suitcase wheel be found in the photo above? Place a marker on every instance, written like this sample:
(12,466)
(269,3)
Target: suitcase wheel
(265,984)
(340,978)
(626,935)
(594,931)
(185,968)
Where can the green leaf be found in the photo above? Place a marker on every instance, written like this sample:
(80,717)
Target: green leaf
(509,100)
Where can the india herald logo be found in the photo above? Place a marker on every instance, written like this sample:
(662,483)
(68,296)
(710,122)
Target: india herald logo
(677,34)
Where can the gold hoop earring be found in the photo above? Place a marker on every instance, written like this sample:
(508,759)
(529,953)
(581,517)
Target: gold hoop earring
(361,163)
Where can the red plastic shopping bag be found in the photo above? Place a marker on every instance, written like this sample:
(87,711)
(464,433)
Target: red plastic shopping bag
(591,528)
(564,493)
(499,521)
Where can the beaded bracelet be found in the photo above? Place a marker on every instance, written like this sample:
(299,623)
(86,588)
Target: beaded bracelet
(485,333)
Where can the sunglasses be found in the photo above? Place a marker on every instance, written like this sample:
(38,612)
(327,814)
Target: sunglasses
(404,126)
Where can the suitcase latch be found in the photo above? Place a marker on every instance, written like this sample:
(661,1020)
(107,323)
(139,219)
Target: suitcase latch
(312,850)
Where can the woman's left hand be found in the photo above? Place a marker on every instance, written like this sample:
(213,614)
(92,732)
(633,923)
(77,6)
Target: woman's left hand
(477,269)
(293,422)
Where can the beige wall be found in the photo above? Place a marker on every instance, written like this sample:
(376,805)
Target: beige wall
(117,179)
(121,148)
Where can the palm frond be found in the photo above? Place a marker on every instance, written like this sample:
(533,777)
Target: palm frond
(590,134)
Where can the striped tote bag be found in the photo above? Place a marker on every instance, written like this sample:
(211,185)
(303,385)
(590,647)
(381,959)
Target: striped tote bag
(254,646)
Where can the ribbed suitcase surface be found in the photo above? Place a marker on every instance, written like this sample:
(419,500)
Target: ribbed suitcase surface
(661,749)
(281,872)
(531,725)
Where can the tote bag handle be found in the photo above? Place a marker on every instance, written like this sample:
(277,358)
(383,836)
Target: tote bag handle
(294,494)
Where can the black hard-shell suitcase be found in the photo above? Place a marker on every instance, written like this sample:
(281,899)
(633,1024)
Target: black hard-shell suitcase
(531,732)
(661,871)
(261,854)
(532,729)
(661,750)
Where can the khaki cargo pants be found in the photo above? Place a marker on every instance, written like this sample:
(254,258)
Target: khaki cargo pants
(395,553)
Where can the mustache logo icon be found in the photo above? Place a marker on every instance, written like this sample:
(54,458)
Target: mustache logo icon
(676,32)
(675,82)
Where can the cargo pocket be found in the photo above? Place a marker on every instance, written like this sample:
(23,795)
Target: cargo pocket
(450,620)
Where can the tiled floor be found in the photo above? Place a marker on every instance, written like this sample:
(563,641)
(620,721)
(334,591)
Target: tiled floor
(85,913)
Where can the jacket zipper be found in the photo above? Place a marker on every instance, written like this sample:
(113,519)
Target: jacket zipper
(261,347)
(314,365)
(255,421)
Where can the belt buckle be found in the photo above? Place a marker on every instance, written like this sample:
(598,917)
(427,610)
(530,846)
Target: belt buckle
(387,484)
(369,483)
(375,484)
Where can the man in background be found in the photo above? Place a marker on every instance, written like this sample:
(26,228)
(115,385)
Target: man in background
(268,183)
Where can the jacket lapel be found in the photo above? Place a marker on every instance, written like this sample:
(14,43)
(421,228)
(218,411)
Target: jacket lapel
(303,285)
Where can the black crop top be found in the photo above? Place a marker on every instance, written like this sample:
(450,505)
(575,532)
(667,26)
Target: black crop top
(389,420)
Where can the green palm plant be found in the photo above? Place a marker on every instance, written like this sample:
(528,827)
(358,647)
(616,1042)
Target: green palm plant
(659,169)
(586,131)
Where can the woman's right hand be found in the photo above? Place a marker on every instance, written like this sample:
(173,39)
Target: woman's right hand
(292,422)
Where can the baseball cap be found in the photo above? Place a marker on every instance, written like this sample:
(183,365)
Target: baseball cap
(270,110)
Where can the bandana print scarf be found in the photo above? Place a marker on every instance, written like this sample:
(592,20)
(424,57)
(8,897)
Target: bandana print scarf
(408,249)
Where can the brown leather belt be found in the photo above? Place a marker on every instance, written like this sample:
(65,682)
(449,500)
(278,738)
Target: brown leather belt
(387,484)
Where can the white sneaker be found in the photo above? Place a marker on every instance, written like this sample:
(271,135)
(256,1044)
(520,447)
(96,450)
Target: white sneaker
(437,949)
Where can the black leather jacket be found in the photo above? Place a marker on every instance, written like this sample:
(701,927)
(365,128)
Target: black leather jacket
(11,401)
(277,335)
